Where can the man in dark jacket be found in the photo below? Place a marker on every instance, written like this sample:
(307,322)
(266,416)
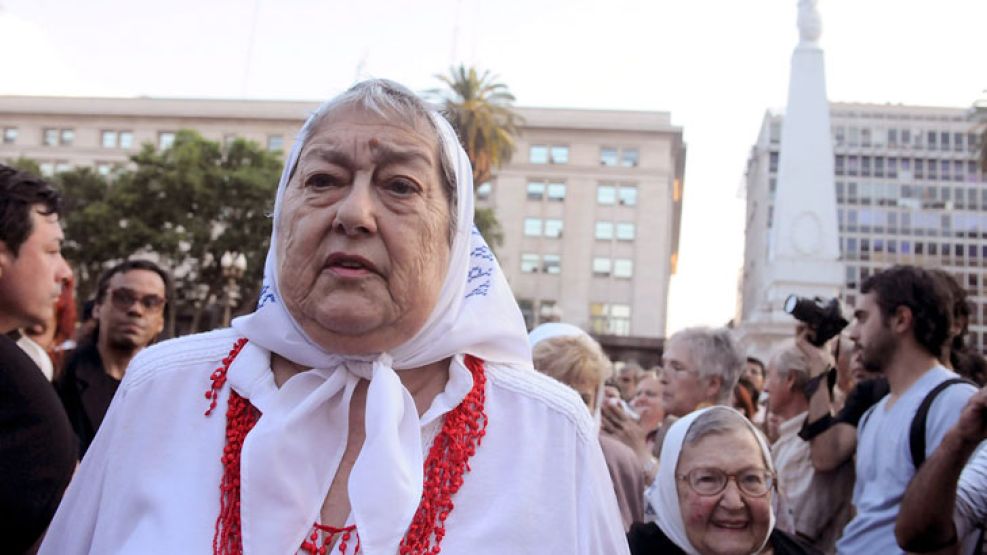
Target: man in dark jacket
(37,451)
(129,312)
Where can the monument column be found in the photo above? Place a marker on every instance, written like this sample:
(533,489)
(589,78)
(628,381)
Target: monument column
(803,255)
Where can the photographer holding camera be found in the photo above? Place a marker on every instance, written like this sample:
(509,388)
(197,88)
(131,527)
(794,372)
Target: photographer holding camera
(902,320)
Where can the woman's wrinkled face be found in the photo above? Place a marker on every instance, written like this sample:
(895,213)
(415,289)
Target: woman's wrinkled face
(363,239)
(647,403)
(730,522)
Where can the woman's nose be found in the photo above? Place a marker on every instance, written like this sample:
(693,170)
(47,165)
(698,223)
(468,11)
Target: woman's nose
(355,212)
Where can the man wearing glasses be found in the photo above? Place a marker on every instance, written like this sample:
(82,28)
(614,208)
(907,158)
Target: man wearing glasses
(132,303)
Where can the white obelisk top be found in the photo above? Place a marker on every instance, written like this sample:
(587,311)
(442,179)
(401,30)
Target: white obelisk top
(803,254)
(809,21)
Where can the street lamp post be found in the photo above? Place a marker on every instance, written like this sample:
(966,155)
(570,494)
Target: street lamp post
(234,265)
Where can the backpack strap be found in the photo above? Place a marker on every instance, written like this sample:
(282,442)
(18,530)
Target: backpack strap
(916,436)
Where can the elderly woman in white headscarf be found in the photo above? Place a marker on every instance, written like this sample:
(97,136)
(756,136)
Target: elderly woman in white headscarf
(380,399)
(714,491)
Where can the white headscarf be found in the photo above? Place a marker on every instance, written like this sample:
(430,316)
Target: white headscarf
(665,497)
(290,457)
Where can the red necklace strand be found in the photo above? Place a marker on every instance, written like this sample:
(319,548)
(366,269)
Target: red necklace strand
(448,460)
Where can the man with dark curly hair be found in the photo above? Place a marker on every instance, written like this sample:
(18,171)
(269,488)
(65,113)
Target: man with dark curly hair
(902,321)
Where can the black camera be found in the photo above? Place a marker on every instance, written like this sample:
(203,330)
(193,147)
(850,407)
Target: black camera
(824,318)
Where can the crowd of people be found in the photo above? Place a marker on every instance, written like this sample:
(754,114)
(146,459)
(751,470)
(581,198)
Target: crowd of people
(385,397)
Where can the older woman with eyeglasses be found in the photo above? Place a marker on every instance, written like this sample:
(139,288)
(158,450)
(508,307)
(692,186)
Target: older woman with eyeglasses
(714,491)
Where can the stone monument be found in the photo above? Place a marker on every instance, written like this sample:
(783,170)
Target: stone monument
(803,255)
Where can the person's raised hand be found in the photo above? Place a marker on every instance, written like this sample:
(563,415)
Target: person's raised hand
(820,359)
(617,424)
(972,426)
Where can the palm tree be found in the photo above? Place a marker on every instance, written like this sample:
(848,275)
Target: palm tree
(481,111)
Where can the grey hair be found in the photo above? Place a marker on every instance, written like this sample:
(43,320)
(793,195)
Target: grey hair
(720,420)
(393,100)
(715,354)
(788,359)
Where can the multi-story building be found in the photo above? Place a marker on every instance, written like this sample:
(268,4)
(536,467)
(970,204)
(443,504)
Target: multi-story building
(590,205)
(908,190)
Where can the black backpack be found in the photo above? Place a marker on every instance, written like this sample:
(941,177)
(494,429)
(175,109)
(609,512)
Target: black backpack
(916,434)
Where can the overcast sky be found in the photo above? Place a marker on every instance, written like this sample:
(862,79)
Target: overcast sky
(716,65)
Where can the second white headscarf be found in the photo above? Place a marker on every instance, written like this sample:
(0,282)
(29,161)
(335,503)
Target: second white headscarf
(665,497)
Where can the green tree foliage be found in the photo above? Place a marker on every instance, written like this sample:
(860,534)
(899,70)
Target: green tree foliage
(25,165)
(188,205)
(481,111)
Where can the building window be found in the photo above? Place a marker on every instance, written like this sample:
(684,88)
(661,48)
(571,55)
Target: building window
(166,139)
(530,263)
(275,143)
(47,168)
(536,190)
(608,156)
(49,137)
(66,137)
(552,264)
(628,195)
(553,228)
(601,267)
(604,230)
(532,227)
(104,168)
(556,192)
(625,231)
(839,136)
(538,154)
(484,191)
(548,311)
(62,167)
(9,135)
(623,268)
(126,139)
(629,157)
(606,194)
(559,154)
(527,311)
(610,319)
(108,139)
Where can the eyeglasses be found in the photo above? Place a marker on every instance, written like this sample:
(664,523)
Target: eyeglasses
(754,482)
(124,298)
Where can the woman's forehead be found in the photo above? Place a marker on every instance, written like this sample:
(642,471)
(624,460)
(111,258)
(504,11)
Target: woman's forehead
(733,449)
(354,115)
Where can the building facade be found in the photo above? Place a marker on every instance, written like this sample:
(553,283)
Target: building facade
(590,204)
(908,190)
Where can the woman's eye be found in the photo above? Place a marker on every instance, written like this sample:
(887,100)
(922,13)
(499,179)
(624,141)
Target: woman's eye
(321,181)
(402,187)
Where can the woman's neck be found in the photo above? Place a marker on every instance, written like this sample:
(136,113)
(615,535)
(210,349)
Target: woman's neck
(423,383)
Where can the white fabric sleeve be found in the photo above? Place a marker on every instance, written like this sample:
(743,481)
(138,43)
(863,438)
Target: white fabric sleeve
(971,495)
(600,528)
(73,529)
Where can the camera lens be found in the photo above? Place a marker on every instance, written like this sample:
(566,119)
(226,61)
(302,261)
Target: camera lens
(790,303)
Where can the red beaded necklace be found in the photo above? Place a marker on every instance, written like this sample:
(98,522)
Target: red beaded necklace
(448,460)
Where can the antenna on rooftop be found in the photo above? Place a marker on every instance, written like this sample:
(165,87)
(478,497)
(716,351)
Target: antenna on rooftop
(453,58)
(250,48)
